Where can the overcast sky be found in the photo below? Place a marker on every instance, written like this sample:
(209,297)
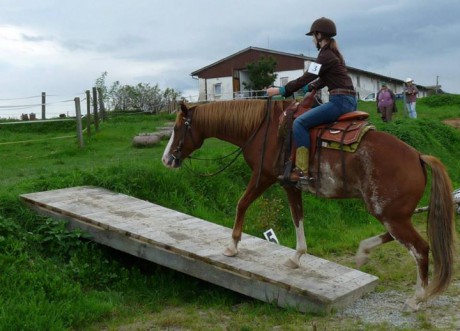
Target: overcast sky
(61,47)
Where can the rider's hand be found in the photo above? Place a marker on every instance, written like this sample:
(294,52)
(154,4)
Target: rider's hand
(308,88)
(271,91)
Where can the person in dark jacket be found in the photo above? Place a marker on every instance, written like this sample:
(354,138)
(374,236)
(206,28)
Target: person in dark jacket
(386,102)
(328,70)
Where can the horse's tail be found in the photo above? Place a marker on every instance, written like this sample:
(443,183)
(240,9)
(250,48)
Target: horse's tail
(441,226)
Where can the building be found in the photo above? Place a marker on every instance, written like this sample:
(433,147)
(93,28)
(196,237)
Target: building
(223,80)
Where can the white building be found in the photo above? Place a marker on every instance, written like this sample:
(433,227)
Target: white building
(223,80)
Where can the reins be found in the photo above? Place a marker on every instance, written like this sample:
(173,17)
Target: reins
(237,151)
(267,118)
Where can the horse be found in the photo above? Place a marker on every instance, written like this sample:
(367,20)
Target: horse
(387,174)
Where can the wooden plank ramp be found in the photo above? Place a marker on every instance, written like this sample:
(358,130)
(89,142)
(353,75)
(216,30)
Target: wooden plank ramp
(194,246)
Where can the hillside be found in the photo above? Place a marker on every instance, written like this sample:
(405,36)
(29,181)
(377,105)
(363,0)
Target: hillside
(55,279)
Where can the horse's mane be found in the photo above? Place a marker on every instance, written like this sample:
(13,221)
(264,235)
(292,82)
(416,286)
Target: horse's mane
(239,117)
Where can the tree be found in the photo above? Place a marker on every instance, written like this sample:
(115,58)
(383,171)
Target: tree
(142,97)
(100,85)
(171,97)
(261,73)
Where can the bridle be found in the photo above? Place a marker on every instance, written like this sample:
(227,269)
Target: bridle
(177,153)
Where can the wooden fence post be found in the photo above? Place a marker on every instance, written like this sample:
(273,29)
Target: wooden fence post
(78,114)
(96,115)
(88,113)
(101,104)
(43,105)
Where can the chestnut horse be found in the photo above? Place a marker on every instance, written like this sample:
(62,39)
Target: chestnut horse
(385,172)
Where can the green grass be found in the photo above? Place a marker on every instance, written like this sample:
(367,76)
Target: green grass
(52,279)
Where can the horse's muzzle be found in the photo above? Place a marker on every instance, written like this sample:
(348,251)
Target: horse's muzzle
(172,161)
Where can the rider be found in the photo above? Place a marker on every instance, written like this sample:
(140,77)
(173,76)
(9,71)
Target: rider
(328,70)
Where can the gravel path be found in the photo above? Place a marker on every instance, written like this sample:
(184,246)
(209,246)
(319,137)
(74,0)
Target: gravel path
(441,313)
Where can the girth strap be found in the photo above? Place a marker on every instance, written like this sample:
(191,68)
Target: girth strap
(342,157)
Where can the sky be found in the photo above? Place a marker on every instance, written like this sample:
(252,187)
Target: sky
(61,47)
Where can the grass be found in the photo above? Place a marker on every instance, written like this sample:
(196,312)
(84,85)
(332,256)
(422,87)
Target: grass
(52,279)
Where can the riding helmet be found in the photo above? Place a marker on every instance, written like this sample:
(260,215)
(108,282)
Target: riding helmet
(324,25)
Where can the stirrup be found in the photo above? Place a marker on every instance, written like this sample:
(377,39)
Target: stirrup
(295,176)
(305,183)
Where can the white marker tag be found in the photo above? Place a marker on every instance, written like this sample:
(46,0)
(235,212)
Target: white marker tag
(314,68)
(271,236)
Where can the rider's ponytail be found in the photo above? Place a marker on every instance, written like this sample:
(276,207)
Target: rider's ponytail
(334,46)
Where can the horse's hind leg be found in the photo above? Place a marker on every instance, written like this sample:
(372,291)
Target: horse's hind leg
(365,247)
(405,233)
(295,204)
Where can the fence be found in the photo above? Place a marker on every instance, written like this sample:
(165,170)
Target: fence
(43,108)
(94,114)
(95,110)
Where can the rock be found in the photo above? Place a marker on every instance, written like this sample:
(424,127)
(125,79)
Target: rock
(146,140)
(165,133)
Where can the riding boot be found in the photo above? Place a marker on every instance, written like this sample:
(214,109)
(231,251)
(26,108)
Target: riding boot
(301,162)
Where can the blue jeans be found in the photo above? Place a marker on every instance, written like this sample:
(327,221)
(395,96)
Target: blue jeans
(328,112)
(411,109)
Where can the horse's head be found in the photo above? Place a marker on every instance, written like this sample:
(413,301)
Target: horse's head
(184,140)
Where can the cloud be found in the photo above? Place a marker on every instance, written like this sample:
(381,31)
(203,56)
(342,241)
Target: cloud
(64,47)
(21,47)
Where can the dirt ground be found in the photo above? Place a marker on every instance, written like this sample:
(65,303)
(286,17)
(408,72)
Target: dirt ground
(455,122)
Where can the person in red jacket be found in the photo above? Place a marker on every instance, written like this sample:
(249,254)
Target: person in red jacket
(328,70)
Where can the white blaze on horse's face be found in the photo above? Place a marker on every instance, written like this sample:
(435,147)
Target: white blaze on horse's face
(174,153)
(168,158)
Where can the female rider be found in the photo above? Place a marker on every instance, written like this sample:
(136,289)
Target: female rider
(328,70)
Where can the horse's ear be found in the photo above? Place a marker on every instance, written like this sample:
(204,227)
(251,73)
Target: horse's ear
(183,107)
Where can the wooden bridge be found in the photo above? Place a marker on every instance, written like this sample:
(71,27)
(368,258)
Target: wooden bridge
(194,246)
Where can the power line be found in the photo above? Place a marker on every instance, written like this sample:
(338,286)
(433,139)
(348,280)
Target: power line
(31,97)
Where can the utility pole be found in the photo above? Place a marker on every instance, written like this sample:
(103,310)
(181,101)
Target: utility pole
(405,112)
(43,105)
(437,81)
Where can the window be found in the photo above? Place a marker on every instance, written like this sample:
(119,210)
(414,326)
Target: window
(284,81)
(218,89)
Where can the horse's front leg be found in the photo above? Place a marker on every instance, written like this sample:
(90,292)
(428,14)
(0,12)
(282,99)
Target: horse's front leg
(252,193)
(295,204)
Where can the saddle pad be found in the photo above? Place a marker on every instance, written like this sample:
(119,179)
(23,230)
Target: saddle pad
(344,135)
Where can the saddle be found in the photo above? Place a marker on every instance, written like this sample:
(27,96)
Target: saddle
(345,134)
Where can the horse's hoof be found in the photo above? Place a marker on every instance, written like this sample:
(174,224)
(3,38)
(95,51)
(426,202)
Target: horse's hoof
(230,252)
(290,263)
(361,260)
(411,306)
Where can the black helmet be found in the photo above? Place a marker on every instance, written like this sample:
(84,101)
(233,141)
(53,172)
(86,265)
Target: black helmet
(323,25)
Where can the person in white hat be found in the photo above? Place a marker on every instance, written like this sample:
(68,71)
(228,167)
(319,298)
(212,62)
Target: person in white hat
(411,97)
